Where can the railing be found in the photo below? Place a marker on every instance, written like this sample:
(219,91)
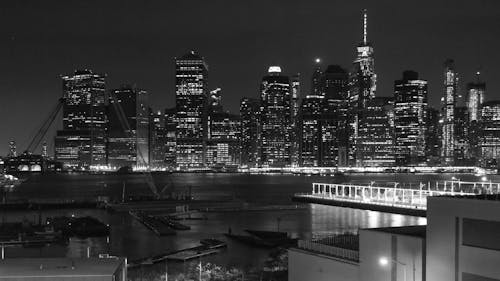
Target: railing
(333,251)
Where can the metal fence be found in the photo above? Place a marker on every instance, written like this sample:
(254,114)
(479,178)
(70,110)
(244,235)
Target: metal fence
(338,252)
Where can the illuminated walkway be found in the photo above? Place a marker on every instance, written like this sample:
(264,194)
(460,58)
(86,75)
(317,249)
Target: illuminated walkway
(406,198)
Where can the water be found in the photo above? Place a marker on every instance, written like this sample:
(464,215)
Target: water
(131,239)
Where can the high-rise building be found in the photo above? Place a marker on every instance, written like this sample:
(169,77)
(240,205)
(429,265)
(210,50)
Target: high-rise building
(223,145)
(410,116)
(362,87)
(128,128)
(250,131)
(277,126)
(433,137)
(376,142)
(474,101)
(316,87)
(157,140)
(81,144)
(490,140)
(449,102)
(295,112)
(191,105)
(311,111)
(170,141)
(334,117)
(462,146)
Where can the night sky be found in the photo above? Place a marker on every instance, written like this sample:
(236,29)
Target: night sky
(136,42)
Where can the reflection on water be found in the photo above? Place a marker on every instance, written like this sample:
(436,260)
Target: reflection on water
(131,239)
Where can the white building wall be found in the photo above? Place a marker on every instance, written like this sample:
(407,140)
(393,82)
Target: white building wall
(375,245)
(308,266)
(447,257)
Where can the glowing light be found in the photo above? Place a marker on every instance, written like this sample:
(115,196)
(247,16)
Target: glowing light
(274,69)
(383,261)
(317,60)
(484,178)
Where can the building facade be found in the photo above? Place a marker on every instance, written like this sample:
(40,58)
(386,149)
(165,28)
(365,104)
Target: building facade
(250,141)
(490,138)
(449,102)
(81,144)
(191,110)
(276,119)
(410,116)
(128,128)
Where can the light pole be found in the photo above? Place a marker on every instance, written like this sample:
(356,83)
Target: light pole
(383,261)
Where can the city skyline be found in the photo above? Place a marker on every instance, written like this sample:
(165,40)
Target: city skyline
(347,27)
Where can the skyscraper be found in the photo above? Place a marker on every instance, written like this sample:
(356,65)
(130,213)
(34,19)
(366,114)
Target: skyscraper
(474,101)
(170,141)
(157,140)
(250,132)
(12,149)
(191,105)
(334,117)
(128,128)
(410,116)
(223,145)
(311,111)
(316,88)
(462,155)
(449,102)
(490,139)
(362,87)
(376,142)
(433,137)
(295,112)
(81,144)
(277,126)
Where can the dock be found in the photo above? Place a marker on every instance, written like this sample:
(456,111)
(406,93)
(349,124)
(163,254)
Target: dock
(152,223)
(406,201)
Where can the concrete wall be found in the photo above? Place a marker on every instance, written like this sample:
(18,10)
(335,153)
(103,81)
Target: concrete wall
(375,245)
(447,257)
(308,266)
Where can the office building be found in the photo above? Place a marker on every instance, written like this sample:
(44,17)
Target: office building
(171,140)
(294,119)
(276,119)
(157,140)
(449,102)
(74,269)
(433,137)
(191,105)
(81,144)
(250,132)
(376,135)
(462,152)
(128,128)
(474,101)
(362,87)
(223,145)
(410,116)
(310,134)
(489,142)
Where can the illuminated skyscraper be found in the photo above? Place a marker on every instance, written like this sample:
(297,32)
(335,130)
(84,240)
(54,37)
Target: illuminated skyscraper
(295,112)
(490,140)
(316,88)
(362,87)
(277,126)
(462,152)
(223,145)
(170,141)
(474,101)
(128,128)
(191,105)
(376,142)
(81,143)
(157,140)
(311,111)
(250,132)
(410,116)
(433,137)
(449,102)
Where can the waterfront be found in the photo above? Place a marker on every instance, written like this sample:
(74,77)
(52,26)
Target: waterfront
(131,239)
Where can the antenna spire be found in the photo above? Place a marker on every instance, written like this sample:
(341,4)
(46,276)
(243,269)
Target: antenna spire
(365,25)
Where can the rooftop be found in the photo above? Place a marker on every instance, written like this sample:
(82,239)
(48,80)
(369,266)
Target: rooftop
(413,230)
(50,267)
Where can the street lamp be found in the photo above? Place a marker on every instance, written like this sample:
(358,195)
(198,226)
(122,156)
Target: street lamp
(383,261)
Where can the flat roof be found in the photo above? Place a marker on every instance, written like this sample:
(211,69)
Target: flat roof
(52,267)
(412,230)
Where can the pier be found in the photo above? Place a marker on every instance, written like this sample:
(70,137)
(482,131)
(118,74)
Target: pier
(392,199)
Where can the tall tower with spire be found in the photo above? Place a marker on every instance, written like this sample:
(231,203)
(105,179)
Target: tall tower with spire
(362,87)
